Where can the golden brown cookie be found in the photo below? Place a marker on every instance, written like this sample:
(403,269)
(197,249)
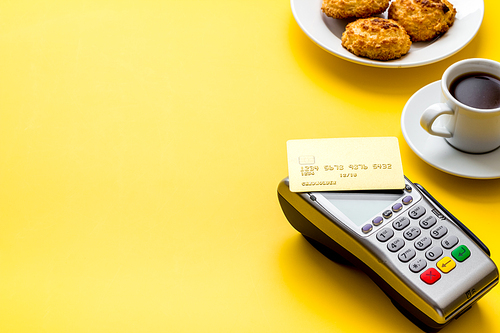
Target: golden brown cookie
(423,20)
(376,38)
(341,9)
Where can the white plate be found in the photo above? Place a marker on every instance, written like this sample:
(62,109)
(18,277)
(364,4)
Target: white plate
(435,150)
(327,33)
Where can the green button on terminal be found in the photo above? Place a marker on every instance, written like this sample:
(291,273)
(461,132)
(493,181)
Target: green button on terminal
(461,253)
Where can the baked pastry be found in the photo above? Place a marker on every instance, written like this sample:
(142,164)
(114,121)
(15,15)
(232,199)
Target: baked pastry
(341,9)
(423,20)
(376,38)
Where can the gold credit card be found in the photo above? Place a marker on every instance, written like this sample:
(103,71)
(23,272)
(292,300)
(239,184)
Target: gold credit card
(343,164)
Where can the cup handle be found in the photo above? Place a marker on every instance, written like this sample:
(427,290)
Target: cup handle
(431,114)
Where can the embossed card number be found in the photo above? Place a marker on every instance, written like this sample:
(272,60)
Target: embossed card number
(341,164)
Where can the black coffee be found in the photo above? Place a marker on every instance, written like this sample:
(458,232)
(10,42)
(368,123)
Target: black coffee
(479,90)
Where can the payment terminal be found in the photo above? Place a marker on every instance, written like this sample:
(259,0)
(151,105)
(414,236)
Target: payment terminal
(429,264)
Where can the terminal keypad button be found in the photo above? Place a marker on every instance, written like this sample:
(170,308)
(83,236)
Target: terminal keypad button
(401,223)
(428,221)
(387,214)
(367,228)
(385,234)
(449,242)
(377,220)
(439,232)
(407,200)
(416,212)
(461,253)
(407,254)
(396,244)
(434,253)
(417,265)
(430,276)
(423,243)
(397,207)
(446,264)
(412,233)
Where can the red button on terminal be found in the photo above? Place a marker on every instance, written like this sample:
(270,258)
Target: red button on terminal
(430,276)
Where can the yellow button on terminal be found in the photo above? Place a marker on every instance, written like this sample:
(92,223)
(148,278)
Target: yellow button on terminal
(446,264)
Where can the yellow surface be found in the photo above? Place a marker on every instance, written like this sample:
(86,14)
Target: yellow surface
(141,144)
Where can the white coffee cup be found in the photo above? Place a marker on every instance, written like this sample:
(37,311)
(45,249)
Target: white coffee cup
(466,128)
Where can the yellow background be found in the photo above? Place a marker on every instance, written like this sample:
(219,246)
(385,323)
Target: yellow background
(141,144)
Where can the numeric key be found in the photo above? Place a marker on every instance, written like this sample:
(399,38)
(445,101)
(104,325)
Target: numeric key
(385,234)
(428,222)
(412,233)
(401,223)
(396,244)
(407,255)
(434,253)
(439,231)
(423,243)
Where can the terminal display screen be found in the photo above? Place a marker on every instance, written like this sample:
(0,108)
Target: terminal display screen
(360,207)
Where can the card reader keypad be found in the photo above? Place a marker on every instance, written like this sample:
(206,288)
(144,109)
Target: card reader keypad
(422,244)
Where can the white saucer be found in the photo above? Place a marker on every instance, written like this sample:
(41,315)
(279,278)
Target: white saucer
(327,33)
(435,150)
